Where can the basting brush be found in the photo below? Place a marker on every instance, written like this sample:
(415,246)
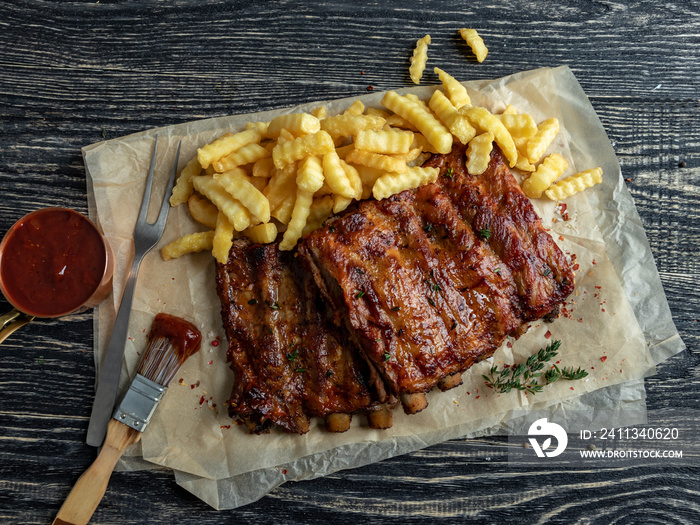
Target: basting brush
(171,341)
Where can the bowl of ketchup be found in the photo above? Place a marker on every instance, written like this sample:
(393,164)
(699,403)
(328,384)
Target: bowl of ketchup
(54,262)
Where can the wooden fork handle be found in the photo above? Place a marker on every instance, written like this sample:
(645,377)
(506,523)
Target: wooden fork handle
(91,486)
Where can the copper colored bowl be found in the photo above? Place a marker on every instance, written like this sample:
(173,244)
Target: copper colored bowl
(53,262)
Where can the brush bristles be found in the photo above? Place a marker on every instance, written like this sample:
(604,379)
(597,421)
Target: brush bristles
(160,363)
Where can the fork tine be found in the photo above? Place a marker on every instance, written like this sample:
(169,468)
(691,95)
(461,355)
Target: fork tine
(149,182)
(163,214)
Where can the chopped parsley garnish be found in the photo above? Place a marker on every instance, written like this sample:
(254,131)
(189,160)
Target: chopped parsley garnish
(449,173)
(485,233)
(359,294)
(387,356)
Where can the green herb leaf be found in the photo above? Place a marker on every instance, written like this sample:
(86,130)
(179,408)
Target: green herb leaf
(485,233)
(526,376)
(359,294)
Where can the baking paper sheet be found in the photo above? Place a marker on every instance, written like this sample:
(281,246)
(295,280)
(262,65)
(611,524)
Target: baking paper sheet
(618,312)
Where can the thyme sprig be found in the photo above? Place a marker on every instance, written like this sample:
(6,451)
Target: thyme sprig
(527,376)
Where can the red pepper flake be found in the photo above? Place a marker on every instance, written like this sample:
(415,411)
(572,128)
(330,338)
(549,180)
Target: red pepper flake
(211,362)
(571,388)
(202,400)
(602,310)
(547,334)
(509,344)
(598,287)
(561,237)
(370,88)
(602,359)
(215,342)
(284,471)
(181,381)
(225,426)
(477,397)
(593,261)
(576,267)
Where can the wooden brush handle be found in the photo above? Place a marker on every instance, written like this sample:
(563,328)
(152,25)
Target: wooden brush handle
(90,487)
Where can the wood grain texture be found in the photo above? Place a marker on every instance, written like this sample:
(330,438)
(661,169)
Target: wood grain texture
(74,73)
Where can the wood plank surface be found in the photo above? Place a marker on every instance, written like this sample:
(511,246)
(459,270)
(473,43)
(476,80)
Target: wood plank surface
(73,73)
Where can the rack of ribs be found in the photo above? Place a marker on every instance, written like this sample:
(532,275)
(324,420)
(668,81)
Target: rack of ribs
(430,281)
(290,362)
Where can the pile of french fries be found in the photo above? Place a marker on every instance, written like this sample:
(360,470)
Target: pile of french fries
(289,175)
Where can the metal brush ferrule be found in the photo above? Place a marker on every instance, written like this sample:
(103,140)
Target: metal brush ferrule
(139,403)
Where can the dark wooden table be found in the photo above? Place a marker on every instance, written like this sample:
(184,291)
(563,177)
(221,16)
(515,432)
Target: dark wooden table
(73,73)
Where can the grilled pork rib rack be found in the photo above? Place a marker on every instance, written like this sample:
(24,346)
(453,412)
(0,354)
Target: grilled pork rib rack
(392,299)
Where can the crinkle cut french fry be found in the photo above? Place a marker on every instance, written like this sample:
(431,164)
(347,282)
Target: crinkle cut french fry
(281,184)
(377,160)
(475,42)
(520,126)
(302,209)
(345,125)
(226,145)
(335,176)
(353,178)
(356,108)
(387,141)
(456,92)
(283,212)
(183,186)
(190,243)
(223,239)
(202,211)
(569,186)
(546,173)
(236,213)
(244,155)
(321,209)
(237,183)
(310,176)
(482,119)
(419,59)
(392,183)
(296,123)
(458,124)
(340,203)
(263,168)
(539,143)
(434,131)
(262,233)
(479,153)
(318,143)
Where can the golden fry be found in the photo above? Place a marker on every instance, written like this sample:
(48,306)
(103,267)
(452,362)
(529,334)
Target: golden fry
(571,185)
(377,161)
(458,124)
(245,155)
(392,183)
(387,141)
(546,173)
(482,119)
(237,183)
(236,213)
(479,153)
(456,92)
(202,211)
(223,239)
(296,123)
(434,131)
(190,243)
(183,187)
(262,233)
(539,143)
(336,177)
(226,145)
(419,59)
(345,125)
(318,143)
(302,208)
(310,176)
(475,42)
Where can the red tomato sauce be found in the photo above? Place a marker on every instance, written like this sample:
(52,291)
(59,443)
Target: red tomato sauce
(52,262)
(184,336)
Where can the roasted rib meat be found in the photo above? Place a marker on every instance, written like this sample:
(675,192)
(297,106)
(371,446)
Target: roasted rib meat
(289,361)
(430,281)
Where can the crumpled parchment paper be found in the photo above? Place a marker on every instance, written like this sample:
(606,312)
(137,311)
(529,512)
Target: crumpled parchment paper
(618,312)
